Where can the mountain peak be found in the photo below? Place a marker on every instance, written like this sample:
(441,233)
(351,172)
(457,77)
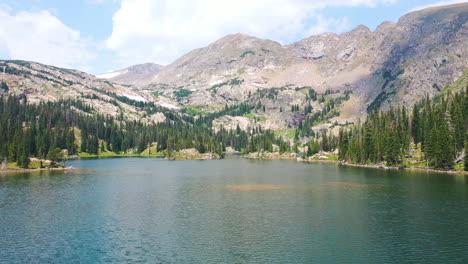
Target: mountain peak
(134,74)
(240,39)
(437,14)
(361,28)
(237,36)
(144,68)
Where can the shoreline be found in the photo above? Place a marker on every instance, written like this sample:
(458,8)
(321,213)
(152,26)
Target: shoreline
(298,159)
(386,167)
(342,163)
(38,169)
(115,156)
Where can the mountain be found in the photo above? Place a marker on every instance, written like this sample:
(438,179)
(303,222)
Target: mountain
(40,83)
(323,81)
(397,63)
(133,75)
(261,98)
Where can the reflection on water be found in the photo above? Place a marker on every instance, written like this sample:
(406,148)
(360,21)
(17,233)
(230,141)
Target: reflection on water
(231,211)
(256,187)
(352,184)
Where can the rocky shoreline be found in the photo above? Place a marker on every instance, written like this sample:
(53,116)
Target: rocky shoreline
(271,156)
(35,170)
(379,166)
(192,154)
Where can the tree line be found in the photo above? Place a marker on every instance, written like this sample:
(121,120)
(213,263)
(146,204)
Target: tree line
(38,130)
(437,126)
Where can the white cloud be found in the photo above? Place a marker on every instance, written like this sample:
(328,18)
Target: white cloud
(101,1)
(440,3)
(162,30)
(328,25)
(42,37)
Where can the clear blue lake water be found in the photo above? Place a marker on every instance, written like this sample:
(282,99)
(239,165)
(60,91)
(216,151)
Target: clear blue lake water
(148,210)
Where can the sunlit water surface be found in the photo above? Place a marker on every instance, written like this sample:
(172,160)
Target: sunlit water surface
(137,210)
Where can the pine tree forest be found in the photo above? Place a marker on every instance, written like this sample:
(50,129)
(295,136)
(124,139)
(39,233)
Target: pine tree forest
(437,127)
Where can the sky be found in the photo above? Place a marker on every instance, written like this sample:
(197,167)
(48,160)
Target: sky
(98,36)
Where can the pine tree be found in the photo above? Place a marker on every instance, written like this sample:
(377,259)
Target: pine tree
(312,148)
(84,141)
(458,125)
(55,156)
(325,142)
(466,156)
(4,87)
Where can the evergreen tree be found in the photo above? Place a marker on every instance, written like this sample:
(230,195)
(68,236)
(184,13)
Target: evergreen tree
(466,156)
(439,124)
(312,148)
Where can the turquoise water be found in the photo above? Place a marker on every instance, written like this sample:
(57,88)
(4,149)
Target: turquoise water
(137,210)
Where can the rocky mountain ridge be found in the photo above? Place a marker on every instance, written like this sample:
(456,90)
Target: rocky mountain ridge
(324,81)
(425,51)
(40,83)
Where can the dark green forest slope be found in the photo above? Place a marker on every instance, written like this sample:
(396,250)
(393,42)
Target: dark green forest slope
(437,127)
(41,130)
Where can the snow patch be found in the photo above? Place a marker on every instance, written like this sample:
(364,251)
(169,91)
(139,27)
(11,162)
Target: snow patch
(258,84)
(251,71)
(166,105)
(110,75)
(135,97)
(268,67)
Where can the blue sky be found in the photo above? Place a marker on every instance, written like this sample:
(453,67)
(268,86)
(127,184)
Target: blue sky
(102,35)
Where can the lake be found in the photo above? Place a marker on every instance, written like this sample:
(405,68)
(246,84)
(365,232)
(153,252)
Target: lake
(142,210)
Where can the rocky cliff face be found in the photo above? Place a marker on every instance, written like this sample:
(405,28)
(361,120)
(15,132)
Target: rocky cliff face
(425,51)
